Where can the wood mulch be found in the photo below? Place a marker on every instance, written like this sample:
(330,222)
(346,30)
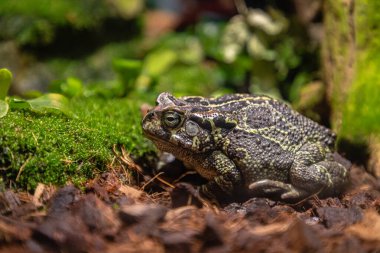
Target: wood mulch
(110,216)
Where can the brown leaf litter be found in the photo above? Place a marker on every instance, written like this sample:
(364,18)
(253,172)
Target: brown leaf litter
(110,215)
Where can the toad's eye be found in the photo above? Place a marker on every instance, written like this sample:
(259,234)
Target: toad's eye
(171,119)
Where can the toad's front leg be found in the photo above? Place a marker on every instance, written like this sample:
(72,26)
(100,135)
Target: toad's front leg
(227,178)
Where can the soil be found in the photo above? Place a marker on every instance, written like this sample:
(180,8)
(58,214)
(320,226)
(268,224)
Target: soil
(148,216)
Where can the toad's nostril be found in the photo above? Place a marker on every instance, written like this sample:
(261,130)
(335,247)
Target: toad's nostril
(149,115)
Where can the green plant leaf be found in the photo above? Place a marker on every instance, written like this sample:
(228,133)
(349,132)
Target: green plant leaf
(50,101)
(128,71)
(5,82)
(17,103)
(4,107)
(72,87)
(127,65)
(158,62)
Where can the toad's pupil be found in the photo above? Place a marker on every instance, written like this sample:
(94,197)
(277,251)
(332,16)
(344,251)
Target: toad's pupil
(171,118)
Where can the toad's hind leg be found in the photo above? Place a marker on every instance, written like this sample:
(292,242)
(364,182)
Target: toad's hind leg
(313,173)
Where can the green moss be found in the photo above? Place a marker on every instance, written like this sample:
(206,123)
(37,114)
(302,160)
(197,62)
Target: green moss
(367,20)
(362,112)
(336,22)
(338,55)
(52,148)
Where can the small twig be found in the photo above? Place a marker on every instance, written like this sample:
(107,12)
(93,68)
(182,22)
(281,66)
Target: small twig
(184,175)
(38,193)
(35,138)
(314,196)
(165,182)
(159,179)
(22,167)
(124,157)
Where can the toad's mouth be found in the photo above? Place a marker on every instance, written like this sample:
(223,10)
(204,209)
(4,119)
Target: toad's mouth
(165,145)
(168,144)
(152,132)
(157,139)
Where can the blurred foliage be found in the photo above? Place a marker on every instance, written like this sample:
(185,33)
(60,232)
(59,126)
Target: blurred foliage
(5,82)
(175,63)
(264,38)
(254,51)
(36,21)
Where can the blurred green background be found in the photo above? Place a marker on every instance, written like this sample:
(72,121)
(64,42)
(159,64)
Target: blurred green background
(136,48)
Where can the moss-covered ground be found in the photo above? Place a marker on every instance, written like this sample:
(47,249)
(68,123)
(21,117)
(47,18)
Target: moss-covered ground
(54,148)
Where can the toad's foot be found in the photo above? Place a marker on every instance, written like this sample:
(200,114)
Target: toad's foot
(289,192)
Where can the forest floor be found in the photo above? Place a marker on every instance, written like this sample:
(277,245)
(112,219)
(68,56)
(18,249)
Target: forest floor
(109,216)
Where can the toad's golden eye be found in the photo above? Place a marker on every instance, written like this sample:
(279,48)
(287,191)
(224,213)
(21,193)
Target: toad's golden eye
(171,119)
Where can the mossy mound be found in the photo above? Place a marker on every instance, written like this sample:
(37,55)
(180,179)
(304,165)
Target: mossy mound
(53,148)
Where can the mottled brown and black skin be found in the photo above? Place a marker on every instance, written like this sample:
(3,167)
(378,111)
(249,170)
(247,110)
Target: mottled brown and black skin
(246,144)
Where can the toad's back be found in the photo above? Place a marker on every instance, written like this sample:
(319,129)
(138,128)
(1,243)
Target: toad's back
(266,117)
